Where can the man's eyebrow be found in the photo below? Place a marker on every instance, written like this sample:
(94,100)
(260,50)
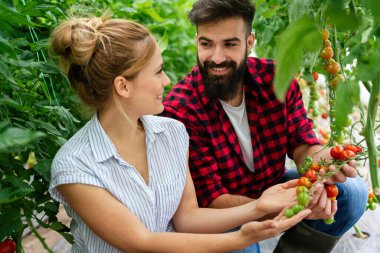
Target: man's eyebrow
(205,38)
(232,39)
(226,40)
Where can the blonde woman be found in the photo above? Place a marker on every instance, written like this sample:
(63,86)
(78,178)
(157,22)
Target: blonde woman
(124,176)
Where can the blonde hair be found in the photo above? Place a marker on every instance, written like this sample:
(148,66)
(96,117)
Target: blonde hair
(94,51)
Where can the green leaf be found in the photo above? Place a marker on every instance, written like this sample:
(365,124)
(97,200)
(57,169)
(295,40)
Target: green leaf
(12,103)
(18,183)
(69,238)
(13,137)
(154,15)
(43,169)
(128,10)
(347,95)
(56,226)
(339,17)
(7,48)
(10,222)
(374,6)
(299,37)
(298,8)
(163,42)
(51,206)
(9,195)
(46,126)
(4,70)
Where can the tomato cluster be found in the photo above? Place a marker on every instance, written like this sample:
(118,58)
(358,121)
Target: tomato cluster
(8,246)
(372,201)
(331,66)
(303,198)
(346,152)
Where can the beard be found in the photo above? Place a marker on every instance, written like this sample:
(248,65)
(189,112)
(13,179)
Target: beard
(223,87)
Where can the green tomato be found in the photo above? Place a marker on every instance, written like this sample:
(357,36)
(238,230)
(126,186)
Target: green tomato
(340,137)
(372,206)
(302,170)
(329,221)
(289,213)
(301,189)
(303,199)
(297,208)
(308,161)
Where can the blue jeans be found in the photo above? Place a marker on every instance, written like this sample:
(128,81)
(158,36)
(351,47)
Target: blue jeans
(253,248)
(352,199)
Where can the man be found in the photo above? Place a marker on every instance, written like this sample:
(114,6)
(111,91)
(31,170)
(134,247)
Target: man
(240,133)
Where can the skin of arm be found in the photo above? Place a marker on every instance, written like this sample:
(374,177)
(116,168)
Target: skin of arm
(214,218)
(116,224)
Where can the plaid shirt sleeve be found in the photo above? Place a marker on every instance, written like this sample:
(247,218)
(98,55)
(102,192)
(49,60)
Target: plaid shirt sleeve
(202,163)
(300,127)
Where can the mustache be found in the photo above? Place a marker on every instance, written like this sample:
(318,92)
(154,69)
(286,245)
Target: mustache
(211,64)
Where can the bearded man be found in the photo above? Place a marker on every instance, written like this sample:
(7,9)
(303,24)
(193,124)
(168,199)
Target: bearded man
(240,133)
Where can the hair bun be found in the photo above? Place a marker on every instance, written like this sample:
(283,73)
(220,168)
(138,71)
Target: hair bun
(76,39)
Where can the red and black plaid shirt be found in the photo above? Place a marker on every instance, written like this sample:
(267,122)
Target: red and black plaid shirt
(215,158)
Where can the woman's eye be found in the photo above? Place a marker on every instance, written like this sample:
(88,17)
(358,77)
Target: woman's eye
(160,71)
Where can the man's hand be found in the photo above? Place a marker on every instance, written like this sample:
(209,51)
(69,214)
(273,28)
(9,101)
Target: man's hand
(348,170)
(321,206)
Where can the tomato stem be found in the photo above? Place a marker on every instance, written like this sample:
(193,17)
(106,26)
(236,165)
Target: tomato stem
(369,134)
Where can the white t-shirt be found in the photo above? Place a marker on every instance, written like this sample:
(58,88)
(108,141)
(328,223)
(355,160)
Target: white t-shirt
(239,121)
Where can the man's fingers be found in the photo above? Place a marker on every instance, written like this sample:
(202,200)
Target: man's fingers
(349,171)
(316,195)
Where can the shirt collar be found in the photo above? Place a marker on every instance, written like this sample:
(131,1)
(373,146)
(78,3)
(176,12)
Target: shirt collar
(152,127)
(101,144)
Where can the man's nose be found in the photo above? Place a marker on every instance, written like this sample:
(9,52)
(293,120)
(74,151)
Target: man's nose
(218,56)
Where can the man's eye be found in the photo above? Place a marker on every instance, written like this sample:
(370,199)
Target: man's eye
(230,44)
(205,44)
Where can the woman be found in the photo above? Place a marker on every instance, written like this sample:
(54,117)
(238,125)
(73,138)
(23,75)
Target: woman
(123,177)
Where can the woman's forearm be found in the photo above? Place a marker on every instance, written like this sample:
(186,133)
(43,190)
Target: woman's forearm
(189,243)
(210,220)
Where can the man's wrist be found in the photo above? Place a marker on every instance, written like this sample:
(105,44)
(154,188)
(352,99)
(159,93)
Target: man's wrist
(229,200)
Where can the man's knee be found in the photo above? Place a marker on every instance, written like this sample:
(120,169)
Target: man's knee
(352,198)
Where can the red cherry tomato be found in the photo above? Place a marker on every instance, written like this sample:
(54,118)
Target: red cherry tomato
(310,174)
(333,68)
(337,153)
(315,167)
(351,147)
(359,149)
(315,75)
(348,154)
(8,246)
(371,194)
(325,34)
(304,181)
(332,191)
(327,53)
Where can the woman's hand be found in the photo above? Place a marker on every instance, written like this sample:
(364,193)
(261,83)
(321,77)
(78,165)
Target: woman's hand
(275,198)
(255,231)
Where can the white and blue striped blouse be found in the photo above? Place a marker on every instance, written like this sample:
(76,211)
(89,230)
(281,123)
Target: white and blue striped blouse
(89,157)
